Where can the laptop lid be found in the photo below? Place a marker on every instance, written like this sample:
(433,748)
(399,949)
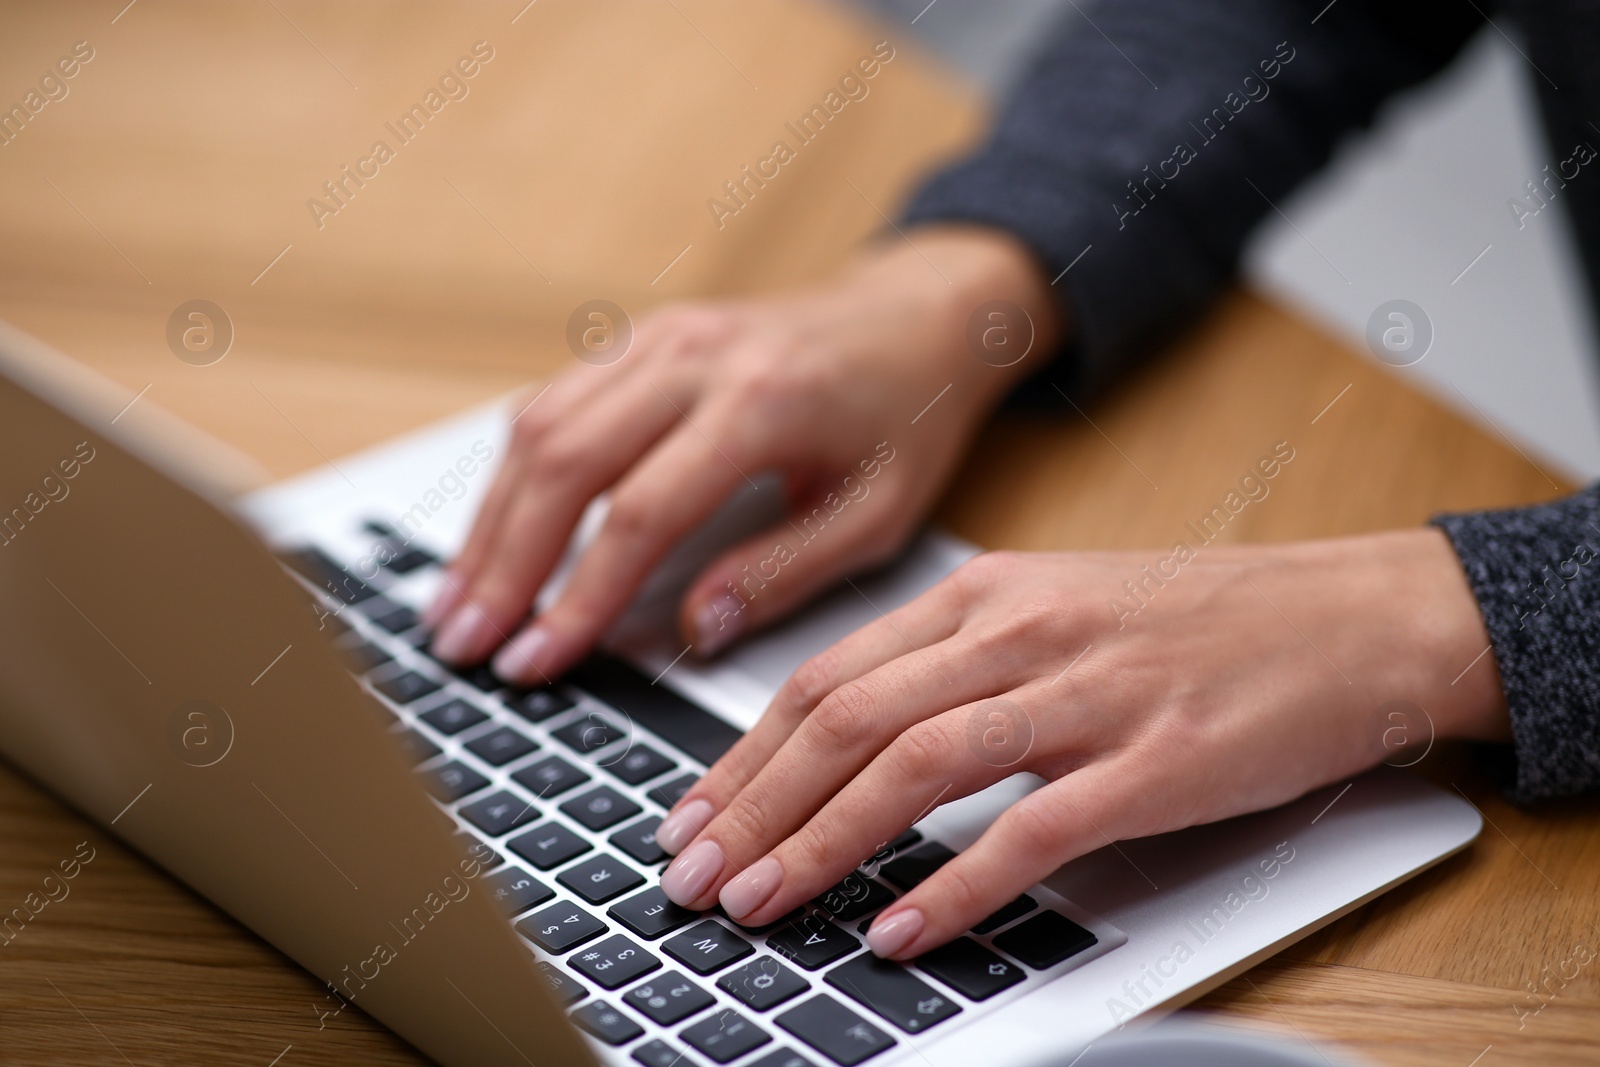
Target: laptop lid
(161,672)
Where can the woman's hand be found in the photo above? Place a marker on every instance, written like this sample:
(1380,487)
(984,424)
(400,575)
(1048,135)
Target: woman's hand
(820,386)
(1247,679)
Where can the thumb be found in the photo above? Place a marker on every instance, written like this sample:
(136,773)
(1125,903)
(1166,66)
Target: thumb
(764,578)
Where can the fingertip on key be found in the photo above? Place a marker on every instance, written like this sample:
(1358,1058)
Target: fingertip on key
(462,634)
(893,934)
(519,661)
(683,825)
(688,877)
(752,888)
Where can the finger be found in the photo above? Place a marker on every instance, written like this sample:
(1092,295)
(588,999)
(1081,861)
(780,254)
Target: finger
(575,461)
(830,747)
(674,489)
(930,763)
(541,409)
(926,621)
(769,575)
(1060,822)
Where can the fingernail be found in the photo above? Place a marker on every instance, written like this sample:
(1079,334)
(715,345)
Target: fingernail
(890,935)
(753,888)
(461,633)
(688,876)
(518,660)
(444,602)
(683,825)
(717,622)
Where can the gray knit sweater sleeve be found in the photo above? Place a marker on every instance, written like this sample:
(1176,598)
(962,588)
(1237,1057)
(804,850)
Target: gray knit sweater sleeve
(1150,136)
(1536,574)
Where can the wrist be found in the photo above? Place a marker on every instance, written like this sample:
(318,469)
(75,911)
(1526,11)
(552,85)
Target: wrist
(940,278)
(1411,617)
(1472,702)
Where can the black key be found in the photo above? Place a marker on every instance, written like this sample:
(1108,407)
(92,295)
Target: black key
(707,948)
(855,896)
(614,962)
(639,841)
(363,657)
(657,1053)
(1044,940)
(406,686)
(607,1023)
(725,1036)
(537,705)
(374,606)
(905,842)
(671,792)
(414,747)
(917,866)
(548,845)
(451,781)
(1012,911)
(601,878)
(488,859)
(479,677)
(834,1030)
(549,777)
(406,560)
(500,746)
(762,983)
(638,764)
(668,998)
(969,968)
(514,890)
(452,716)
(587,734)
(499,813)
(560,927)
(324,572)
(812,941)
(893,992)
(564,989)
(661,711)
(398,620)
(782,1058)
(601,808)
(651,914)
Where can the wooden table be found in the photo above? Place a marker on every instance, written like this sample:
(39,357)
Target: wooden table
(578,166)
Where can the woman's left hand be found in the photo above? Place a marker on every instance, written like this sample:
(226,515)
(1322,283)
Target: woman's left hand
(1245,677)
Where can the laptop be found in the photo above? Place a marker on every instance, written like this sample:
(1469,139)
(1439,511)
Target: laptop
(237,687)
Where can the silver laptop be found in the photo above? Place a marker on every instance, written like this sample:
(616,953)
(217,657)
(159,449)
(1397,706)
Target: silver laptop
(238,688)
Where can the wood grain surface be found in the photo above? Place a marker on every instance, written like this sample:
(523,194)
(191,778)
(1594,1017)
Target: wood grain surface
(578,165)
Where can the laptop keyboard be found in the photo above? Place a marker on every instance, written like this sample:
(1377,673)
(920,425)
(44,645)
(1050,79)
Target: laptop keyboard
(558,792)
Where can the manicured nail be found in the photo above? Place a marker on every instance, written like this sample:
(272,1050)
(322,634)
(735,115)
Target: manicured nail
(717,622)
(444,602)
(692,873)
(683,825)
(519,660)
(461,633)
(752,888)
(890,935)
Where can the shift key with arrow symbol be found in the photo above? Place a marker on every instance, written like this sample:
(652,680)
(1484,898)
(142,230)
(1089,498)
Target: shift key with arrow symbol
(893,992)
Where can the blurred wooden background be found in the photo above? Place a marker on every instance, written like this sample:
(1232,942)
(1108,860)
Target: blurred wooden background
(178,165)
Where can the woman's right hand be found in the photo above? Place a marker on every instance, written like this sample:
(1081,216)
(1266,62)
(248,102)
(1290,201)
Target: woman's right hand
(861,393)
